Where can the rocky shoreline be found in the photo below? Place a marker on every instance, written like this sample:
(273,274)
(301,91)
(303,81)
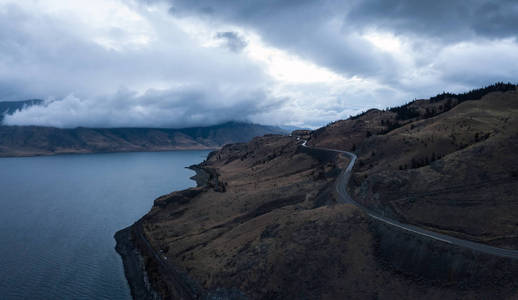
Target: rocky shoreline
(134,268)
(135,261)
(147,275)
(141,267)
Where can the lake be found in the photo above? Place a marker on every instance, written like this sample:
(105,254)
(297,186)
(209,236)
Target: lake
(59,215)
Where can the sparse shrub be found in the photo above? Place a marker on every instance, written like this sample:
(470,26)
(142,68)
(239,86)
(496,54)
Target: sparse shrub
(473,94)
(405,112)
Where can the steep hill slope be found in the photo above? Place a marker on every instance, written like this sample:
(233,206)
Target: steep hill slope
(454,172)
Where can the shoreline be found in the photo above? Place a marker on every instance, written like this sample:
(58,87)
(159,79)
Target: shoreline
(39,154)
(133,262)
(171,282)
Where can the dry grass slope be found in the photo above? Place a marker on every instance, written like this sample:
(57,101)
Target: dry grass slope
(455,172)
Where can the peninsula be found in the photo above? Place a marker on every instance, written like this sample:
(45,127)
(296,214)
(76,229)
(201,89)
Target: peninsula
(415,201)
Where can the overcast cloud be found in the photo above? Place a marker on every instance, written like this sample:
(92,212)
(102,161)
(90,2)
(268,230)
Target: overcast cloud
(161,63)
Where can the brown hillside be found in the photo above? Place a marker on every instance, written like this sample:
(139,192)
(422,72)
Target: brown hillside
(455,172)
(266,226)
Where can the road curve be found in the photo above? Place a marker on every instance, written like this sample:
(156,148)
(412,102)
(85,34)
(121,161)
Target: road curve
(344,197)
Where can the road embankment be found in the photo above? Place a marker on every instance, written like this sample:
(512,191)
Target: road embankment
(134,268)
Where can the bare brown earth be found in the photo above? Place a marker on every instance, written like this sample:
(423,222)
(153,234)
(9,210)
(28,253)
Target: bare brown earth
(455,172)
(266,226)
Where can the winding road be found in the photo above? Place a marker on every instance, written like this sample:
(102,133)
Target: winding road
(344,197)
(186,289)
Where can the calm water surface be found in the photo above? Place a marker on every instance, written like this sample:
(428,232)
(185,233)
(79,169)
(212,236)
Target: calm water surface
(58,216)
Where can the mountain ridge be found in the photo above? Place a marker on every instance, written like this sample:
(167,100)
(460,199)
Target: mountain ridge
(451,171)
(37,140)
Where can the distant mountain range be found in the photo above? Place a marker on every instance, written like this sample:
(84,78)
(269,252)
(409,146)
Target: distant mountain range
(38,140)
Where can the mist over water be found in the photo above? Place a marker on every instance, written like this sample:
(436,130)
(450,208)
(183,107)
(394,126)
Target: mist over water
(59,215)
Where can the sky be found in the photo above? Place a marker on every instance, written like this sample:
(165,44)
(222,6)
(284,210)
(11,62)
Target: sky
(182,63)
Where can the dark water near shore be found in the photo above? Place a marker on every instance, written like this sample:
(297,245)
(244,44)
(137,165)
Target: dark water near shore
(59,213)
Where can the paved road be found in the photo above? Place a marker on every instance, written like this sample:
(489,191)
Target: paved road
(344,197)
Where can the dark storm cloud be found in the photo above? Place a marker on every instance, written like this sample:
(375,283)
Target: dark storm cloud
(311,29)
(438,18)
(443,19)
(331,33)
(233,41)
